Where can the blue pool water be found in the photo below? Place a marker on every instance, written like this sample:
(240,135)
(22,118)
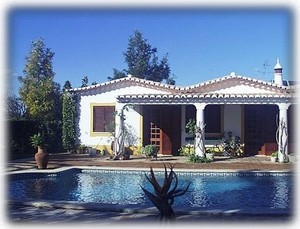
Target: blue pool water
(207,190)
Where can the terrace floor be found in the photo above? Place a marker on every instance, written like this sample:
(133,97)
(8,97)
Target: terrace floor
(220,162)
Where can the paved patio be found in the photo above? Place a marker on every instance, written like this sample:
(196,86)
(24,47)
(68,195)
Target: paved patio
(220,162)
(26,213)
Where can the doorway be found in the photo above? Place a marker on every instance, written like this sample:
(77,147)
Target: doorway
(162,127)
(260,129)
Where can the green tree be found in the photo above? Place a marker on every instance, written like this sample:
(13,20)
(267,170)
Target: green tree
(15,108)
(68,124)
(67,85)
(143,62)
(41,95)
(85,81)
(38,91)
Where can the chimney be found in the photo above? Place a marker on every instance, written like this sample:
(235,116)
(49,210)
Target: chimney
(278,74)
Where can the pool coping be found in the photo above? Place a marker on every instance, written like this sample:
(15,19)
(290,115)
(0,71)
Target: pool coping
(61,169)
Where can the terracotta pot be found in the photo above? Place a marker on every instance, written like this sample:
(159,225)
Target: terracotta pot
(41,158)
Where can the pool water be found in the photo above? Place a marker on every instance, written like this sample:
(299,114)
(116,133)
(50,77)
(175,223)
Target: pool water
(207,190)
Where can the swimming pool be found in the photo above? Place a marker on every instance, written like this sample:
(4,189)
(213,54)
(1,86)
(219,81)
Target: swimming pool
(254,191)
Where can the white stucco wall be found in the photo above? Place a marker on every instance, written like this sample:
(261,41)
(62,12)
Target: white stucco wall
(108,97)
(233,119)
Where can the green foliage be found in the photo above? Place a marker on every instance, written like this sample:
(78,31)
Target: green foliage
(186,150)
(274,154)
(118,74)
(232,145)
(37,140)
(143,62)
(81,149)
(38,91)
(68,121)
(15,108)
(150,150)
(85,81)
(189,151)
(164,195)
(53,132)
(67,85)
(198,159)
(19,133)
(41,95)
(191,126)
(210,150)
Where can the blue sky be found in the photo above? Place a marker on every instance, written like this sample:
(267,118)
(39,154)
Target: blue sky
(202,43)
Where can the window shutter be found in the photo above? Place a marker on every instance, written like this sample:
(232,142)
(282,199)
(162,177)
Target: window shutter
(102,117)
(109,116)
(99,120)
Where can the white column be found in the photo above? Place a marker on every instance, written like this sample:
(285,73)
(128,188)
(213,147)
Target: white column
(119,135)
(200,134)
(183,134)
(282,132)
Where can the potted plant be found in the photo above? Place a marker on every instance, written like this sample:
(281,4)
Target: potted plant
(41,157)
(81,149)
(232,145)
(274,156)
(150,151)
(292,158)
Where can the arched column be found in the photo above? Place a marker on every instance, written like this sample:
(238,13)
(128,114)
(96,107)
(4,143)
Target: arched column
(200,133)
(282,132)
(119,128)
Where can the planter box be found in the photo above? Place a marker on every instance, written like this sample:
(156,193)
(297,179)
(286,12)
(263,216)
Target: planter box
(210,156)
(273,159)
(91,151)
(292,158)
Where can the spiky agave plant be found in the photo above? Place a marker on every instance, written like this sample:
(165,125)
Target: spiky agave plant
(164,195)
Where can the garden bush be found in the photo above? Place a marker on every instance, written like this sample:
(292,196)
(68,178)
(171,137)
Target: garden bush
(198,159)
(150,151)
(18,138)
(186,150)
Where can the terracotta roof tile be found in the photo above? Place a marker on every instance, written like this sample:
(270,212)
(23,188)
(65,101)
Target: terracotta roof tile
(187,89)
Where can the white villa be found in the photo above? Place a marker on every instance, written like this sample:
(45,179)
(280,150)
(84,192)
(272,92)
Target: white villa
(249,108)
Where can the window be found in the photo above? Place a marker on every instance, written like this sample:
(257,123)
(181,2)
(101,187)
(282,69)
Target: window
(103,118)
(212,117)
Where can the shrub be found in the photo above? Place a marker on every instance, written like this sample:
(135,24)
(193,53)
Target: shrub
(19,132)
(232,145)
(209,150)
(68,121)
(186,150)
(81,149)
(150,151)
(198,159)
